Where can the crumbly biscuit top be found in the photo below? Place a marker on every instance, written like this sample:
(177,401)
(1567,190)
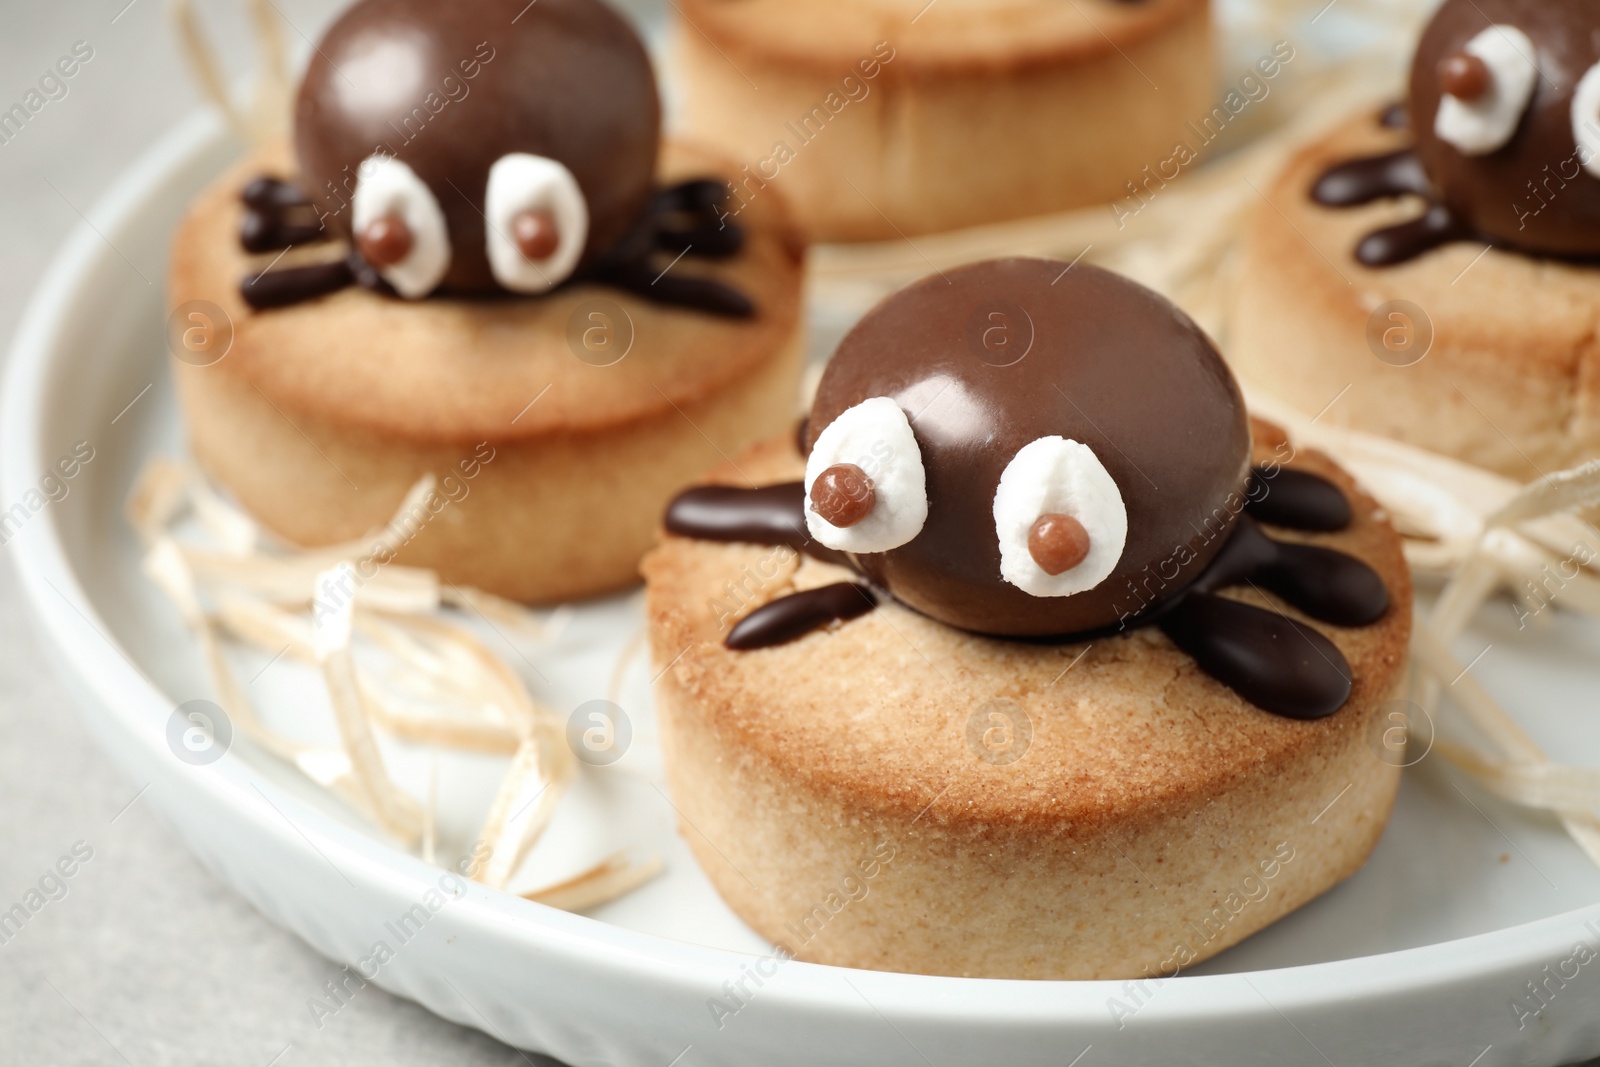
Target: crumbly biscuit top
(893,708)
(444,369)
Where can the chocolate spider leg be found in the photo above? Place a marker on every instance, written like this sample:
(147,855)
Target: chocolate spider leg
(1361,181)
(1398,244)
(267,193)
(1269,659)
(1266,657)
(1327,584)
(790,617)
(688,220)
(1322,582)
(770,515)
(1296,499)
(267,224)
(278,288)
(695,195)
(710,240)
(261,231)
(701,294)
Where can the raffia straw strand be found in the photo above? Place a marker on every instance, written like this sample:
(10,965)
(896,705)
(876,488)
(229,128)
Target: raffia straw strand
(265,110)
(443,686)
(611,878)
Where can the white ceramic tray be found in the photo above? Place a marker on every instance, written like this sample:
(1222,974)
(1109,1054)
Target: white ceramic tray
(1417,960)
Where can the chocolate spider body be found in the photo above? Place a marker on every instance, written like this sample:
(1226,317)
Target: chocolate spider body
(1504,103)
(1104,412)
(459,151)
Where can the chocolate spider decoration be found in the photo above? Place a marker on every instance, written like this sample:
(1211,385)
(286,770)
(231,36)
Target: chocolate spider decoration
(459,150)
(1505,105)
(1027,450)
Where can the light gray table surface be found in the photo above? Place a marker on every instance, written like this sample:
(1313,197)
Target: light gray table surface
(147,960)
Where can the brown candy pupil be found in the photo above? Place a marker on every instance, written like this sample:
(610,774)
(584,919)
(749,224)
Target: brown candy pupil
(535,234)
(843,494)
(1464,76)
(385,241)
(1057,543)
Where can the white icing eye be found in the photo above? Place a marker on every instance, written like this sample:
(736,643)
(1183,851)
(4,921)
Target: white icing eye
(866,490)
(1586,119)
(538,222)
(1481,105)
(399,227)
(1060,519)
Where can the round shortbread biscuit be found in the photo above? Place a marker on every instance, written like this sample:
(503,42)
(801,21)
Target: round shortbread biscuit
(323,414)
(1487,355)
(901,117)
(894,793)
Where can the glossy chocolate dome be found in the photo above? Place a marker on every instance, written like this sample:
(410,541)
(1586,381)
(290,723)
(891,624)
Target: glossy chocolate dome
(450,88)
(1532,192)
(987,358)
